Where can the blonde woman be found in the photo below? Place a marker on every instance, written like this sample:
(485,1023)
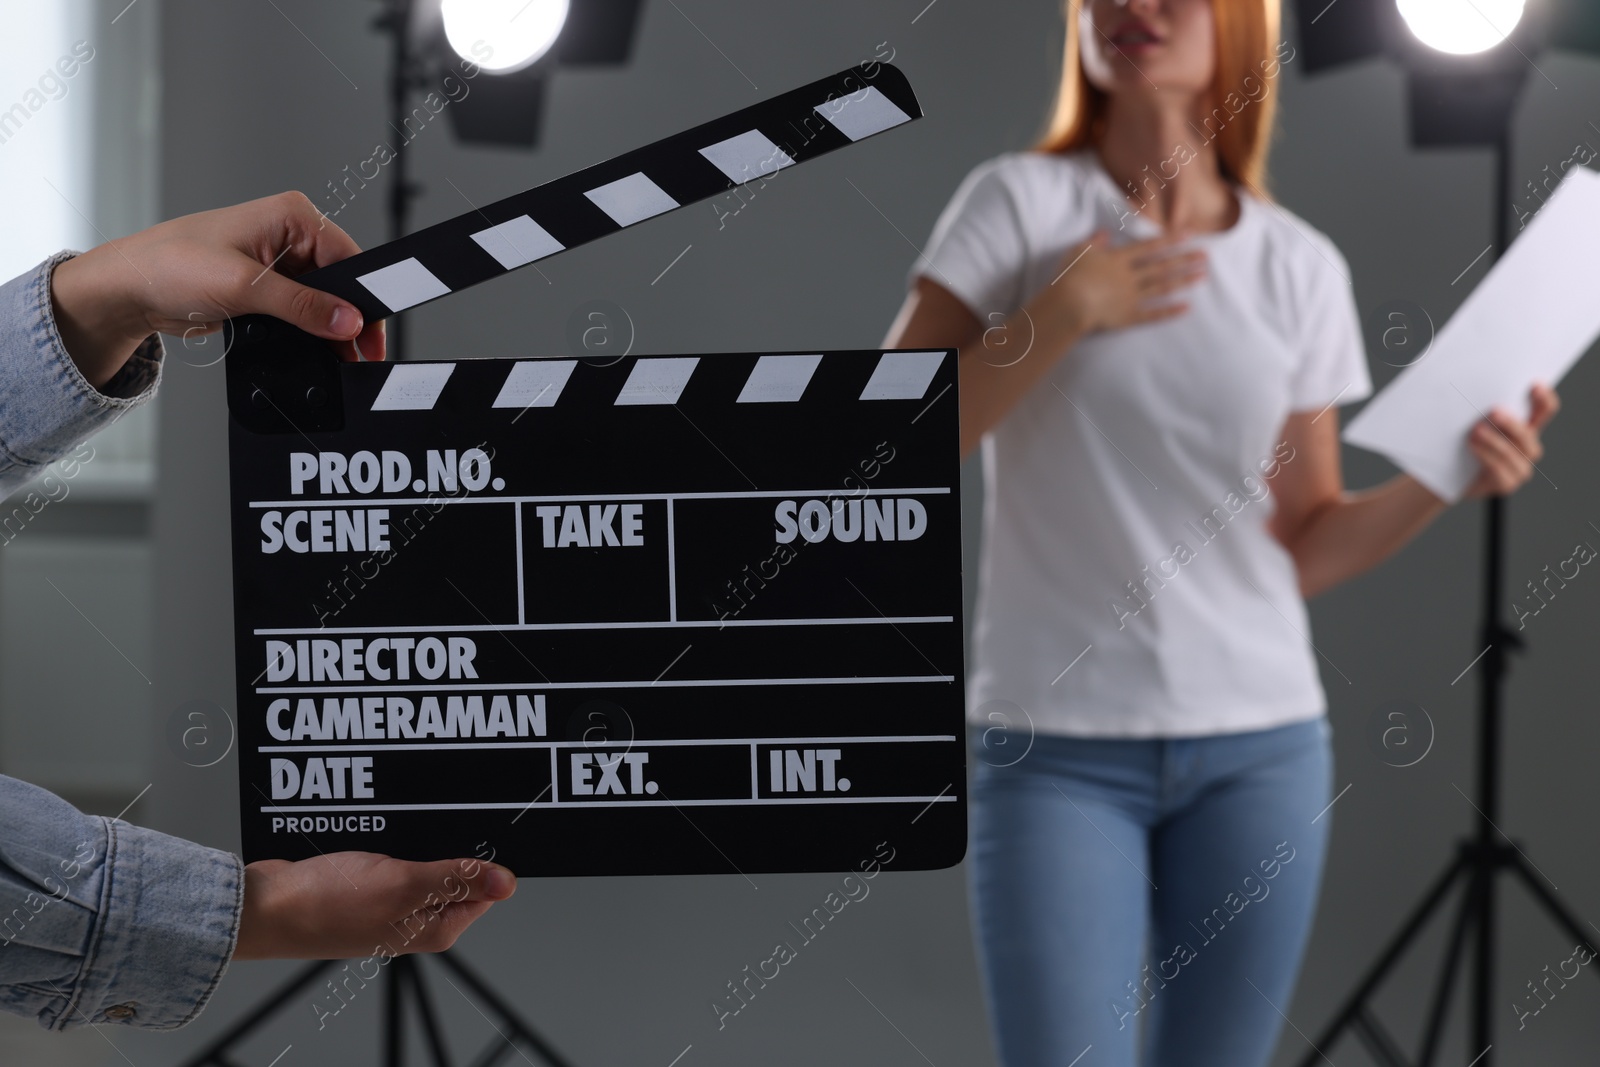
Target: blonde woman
(1163,490)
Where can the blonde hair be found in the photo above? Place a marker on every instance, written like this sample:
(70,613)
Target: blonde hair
(1246,35)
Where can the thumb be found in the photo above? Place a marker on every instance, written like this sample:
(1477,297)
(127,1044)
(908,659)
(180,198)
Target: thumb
(315,312)
(482,881)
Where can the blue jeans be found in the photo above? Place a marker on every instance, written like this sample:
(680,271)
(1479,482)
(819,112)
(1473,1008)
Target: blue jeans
(1162,887)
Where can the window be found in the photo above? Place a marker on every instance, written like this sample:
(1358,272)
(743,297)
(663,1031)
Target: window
(77,164)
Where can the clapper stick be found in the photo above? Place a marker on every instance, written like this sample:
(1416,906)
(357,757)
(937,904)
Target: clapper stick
(271,370)
(695,165)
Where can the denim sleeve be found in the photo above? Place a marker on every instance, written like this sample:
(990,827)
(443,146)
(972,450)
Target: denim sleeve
(103,922)
(46,405)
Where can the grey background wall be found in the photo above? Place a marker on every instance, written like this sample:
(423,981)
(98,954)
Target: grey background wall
(259,98)
(92,540)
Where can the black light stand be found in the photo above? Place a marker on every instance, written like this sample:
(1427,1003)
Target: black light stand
(395,20)
(1456,109)
(1487,854)
(403,975)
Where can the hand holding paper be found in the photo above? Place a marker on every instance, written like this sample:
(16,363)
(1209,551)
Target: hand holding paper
(1529,321)
(1508,449)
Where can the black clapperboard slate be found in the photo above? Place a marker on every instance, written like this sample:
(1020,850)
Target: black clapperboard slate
(647,615)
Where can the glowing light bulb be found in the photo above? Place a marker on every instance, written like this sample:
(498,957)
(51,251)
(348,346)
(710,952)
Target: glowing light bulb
(1462,27)
(502,36)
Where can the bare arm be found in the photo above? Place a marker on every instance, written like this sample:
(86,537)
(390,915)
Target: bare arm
(1334,535)
(932,317)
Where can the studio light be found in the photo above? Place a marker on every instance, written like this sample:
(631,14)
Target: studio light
(503,36)
(520,44)
(1459,34)
(1465,60)
(1462,27)
(486,63)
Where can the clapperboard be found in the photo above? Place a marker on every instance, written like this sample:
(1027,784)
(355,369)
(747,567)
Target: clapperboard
(674,614)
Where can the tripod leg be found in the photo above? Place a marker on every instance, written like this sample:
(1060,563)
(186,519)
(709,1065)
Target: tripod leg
(1558,911)
(212,1053)
(494,1054)
(1447,976)
(394,1038)
(1483,976)
(1383,1047)
(519,1028)
(1397,945)
(430,1021)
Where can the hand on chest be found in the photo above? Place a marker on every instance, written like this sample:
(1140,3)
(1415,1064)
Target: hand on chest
(1213,381)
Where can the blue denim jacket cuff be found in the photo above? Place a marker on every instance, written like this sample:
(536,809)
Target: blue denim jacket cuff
(46,405)
(169,922)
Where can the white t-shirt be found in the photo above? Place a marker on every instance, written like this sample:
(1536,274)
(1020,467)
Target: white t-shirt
(1138,459)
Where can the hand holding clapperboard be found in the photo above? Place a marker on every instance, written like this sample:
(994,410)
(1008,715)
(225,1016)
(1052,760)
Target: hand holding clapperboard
(682,614)
(1530,320)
